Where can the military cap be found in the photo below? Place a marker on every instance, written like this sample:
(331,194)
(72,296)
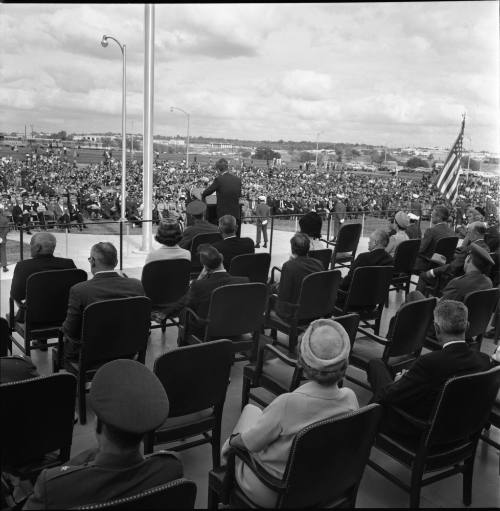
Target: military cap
(481,253)
(197,207)
(125,394)
(402,219)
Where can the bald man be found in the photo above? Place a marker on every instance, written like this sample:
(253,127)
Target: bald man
(42,246)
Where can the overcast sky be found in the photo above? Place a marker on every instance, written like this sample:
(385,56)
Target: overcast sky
(377,73)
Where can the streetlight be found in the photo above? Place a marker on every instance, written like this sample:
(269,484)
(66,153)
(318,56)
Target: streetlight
(317,146)
(104,43)
(172,108)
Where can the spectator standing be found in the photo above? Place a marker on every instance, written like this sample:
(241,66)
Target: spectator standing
(262,212)
(4,229)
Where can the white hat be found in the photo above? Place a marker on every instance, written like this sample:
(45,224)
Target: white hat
(262,197)
(415,195)
(412,216)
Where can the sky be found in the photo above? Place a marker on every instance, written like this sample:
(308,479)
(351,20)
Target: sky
(378,73)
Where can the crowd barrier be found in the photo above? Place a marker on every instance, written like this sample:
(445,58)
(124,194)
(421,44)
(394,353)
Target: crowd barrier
(127,235)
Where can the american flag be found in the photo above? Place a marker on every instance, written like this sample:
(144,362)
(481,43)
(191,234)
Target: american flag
(447,181)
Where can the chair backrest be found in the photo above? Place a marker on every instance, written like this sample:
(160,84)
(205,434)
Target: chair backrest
(166,281)
(410,327)
(177,494)
(481,305)
(236,309)
(114,329)
(405,256)
(463,407)
(200,239)
(318,294)
(348,238)
(4,337)
(350,322)
(446,246)
(369,287)
(327,458)
(195,377)
(47,295)
(37,418)
(324,255)
(253,266)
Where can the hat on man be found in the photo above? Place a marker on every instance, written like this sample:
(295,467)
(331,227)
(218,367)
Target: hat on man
(412,216)
(402,219)
(262,198)
(415,195)
(481,253)
(195,208)
(125,394)
(325,349)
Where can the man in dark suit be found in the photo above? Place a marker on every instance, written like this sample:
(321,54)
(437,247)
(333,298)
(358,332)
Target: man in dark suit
(376,256)
(116,467)
(292,274)
(228,188)
(439,229)
(4,229)
(211,277)
(231,245)
(415,391)
(196,210)
(42,246)
(107,284)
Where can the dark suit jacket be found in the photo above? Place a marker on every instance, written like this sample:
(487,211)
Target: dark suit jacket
(377,257)
(458,287)
(456,266)
(428,242)
(231,247)
(200,227)
(27,267)
(416,392)
(292,275)
(104,286)
(228,188)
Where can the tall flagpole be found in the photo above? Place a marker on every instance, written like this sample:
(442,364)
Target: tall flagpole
(147,150)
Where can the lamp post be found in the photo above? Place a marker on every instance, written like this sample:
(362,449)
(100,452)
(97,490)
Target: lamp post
(317,147)
(104,43)
(172,108)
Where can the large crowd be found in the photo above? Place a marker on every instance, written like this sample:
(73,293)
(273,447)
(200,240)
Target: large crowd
(40,181)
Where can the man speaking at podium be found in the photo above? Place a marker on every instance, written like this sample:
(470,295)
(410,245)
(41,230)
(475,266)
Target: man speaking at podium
(228,188)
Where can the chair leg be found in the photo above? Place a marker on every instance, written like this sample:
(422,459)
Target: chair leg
(467,481)
(245,392)
(416,486)
(82,403)
(292,340)
(213,499)
(163,326)
(216,446)
(27,345)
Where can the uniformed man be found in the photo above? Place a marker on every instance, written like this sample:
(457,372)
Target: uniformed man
(128,400)
(197,210)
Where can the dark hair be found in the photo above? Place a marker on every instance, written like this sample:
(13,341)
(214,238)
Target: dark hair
(310,224)
(210,256)
(300,244)
(122,439)
(221,165)
(105,253)
(168,233)
(442,212)
(227,224)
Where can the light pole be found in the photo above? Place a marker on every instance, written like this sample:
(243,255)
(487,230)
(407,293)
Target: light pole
(172,108)
(104,43)
(317,146)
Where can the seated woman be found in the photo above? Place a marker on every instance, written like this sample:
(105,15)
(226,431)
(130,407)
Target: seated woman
(169,235)
(401,223)
(268,434)
(310,224)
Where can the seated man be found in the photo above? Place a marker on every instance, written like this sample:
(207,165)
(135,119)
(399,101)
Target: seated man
(376,256)
(197,210)
(401,223)
(231,245)
(292,274)
(116,468)
(415,391)
(268,434)
(107,284)
(211,277)
(42,246)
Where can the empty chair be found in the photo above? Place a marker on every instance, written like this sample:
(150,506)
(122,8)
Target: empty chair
(324,255)
(200,239)
(317,297)
(448,440)
(410,328)
(164,283)
(177,494)
(253,266)
(195,379)
(346,245)
(404,261)
(37,424)
(315,476)
(235,312)
(111,329)
(367,294)
(46,304)
(278,373)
